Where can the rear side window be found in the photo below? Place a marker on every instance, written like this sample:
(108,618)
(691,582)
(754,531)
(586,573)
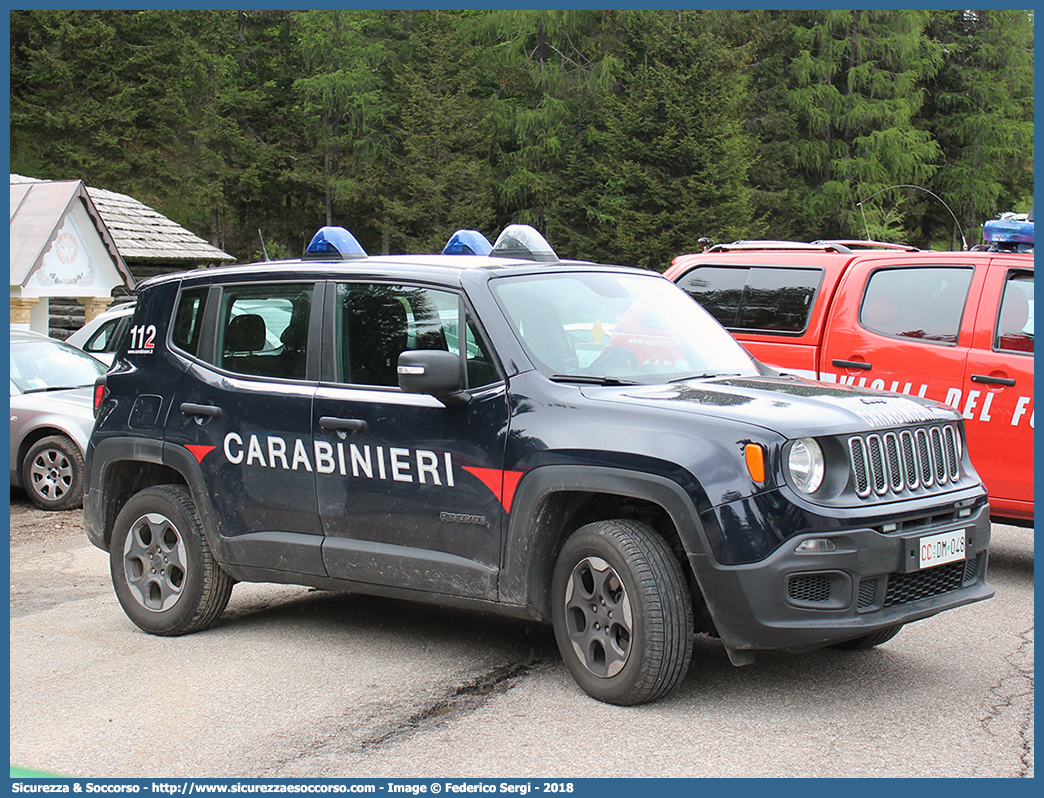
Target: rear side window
(775,299)
(263,329)
(926,303)
(1015,323)
(188,320)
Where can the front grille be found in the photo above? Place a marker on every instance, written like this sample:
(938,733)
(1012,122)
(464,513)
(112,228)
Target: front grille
(927,459)
(809,588)
(905,588)
(867,593)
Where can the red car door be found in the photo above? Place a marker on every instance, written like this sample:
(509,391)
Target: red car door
(997,391)
(903,326)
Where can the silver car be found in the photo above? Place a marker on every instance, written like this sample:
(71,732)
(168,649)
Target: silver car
(52,388)
(103,336)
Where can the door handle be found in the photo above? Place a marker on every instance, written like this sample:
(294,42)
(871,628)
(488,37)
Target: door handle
(986,379)
(852,364)
(190,409)
(346,424)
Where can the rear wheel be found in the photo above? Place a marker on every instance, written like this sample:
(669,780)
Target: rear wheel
(164,573)
(870,640)
(622,612)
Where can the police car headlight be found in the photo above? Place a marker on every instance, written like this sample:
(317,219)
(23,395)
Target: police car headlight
(805,465)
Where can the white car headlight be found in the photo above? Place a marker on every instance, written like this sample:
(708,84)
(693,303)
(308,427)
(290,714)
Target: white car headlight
(805,465)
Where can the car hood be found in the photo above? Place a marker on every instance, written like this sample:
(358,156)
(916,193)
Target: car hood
(791,406)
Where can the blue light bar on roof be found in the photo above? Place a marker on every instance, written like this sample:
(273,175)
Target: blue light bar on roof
(467,242)
(333,243)
(1008,231)
(524,243)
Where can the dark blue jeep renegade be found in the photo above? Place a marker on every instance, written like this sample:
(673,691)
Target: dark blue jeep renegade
(503,430)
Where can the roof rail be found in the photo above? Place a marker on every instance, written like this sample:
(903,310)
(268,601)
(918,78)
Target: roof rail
(857,244)
(751,246)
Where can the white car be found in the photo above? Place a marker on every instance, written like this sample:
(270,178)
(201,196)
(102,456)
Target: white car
(103,334)
(52,390)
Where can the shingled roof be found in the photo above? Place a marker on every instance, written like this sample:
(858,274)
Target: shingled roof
(143,235)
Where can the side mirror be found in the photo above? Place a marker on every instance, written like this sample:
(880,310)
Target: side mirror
(434,372)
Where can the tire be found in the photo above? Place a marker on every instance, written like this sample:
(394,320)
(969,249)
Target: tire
(870,640)
(52,473)
(622,612)
(164,573)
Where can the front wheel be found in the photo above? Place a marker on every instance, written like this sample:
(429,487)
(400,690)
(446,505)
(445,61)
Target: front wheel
(52,473)
(164,573)
(622,612)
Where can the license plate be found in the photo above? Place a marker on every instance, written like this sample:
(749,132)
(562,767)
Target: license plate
(940,549)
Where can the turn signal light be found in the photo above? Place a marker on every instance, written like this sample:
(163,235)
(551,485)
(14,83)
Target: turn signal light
(755,455)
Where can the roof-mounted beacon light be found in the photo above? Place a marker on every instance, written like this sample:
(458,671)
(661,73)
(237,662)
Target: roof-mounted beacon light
(467,242)
(333,243)
(524,243)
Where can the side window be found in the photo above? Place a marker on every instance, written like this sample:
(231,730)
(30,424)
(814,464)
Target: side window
(924,303)
(377,322)
(263,329)
(103,338)
(777,299)
(188,319)
(1015,322)
(481,370)
(718,289)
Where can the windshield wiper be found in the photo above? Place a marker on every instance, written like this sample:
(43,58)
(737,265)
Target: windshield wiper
(588,379)
(705,376)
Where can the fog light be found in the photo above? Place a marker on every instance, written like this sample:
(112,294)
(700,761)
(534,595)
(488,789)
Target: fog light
(815,546)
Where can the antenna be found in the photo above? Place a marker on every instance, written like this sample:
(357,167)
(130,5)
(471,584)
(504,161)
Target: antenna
(964,241)
(264,249)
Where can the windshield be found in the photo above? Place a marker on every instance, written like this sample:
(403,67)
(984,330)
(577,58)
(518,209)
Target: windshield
(46,365)
(616,327)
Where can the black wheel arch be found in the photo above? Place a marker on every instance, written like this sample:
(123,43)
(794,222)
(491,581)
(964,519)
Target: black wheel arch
(553,501)
(121,467)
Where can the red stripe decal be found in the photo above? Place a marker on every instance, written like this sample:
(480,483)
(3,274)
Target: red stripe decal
(501,483)
(199,452)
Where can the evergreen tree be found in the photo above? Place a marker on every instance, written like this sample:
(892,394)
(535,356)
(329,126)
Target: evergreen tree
(980,110)
(856,87)
(443,177)
(668,158)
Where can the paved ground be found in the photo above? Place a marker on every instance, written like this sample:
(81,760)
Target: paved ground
(300,683)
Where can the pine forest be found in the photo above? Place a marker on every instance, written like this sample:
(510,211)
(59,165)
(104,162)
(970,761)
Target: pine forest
(623,136)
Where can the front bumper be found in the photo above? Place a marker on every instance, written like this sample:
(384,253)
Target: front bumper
(795,600)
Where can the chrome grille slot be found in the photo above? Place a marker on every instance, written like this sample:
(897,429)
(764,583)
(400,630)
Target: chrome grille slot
(939,467)
(895,466)
(875,452)
(924,457)
(952,447)
(909,447)
(857,453)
